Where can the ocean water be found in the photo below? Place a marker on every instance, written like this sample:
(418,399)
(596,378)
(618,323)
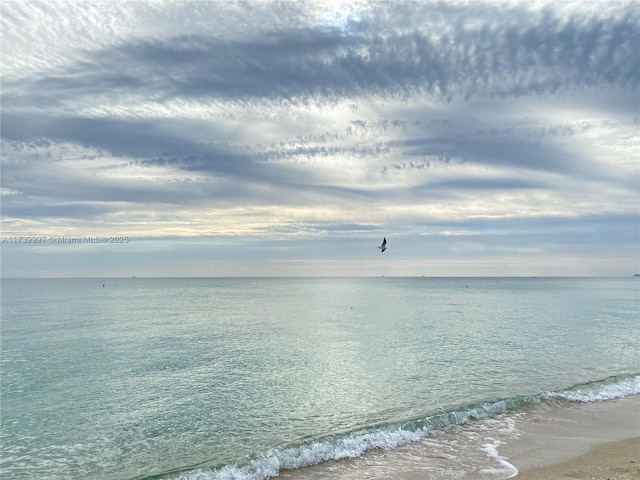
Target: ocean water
(249,378)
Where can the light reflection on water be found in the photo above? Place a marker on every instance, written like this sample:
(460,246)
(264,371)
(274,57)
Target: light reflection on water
(146,376)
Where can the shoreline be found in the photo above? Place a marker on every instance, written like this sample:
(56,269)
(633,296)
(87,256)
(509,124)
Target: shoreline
(579,442)
(611,461)
(548,441)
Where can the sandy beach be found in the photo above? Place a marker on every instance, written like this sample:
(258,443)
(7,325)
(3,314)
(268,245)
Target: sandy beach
(612,461)
(598,441)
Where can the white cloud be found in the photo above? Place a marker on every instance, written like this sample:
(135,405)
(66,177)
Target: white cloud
(325,120)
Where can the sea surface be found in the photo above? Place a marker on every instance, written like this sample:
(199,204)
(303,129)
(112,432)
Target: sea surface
(246,378)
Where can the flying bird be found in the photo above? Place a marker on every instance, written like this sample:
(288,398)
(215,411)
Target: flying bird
(383,247)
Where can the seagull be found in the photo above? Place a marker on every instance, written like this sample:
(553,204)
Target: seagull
(383,247)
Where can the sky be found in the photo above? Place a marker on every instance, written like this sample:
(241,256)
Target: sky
(287,138)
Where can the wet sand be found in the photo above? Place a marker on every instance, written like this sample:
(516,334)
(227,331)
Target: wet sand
(612,461)
(544,442)
(579,442)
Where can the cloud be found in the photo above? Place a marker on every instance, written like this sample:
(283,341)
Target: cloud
(503,51)
(192,119)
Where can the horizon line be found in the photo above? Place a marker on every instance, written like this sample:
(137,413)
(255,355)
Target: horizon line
(166,277)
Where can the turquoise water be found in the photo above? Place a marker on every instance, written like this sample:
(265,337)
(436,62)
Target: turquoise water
(243,378)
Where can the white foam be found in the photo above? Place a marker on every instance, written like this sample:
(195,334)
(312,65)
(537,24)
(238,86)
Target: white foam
(354,445)
(506,470)
(597,393)
(270,464)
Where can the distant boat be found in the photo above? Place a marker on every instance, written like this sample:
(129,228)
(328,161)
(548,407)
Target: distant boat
(383,247)
(636,274)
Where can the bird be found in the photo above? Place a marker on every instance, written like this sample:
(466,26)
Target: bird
(383,247)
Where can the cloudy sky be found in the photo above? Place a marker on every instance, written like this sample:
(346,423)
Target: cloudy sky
(246,138)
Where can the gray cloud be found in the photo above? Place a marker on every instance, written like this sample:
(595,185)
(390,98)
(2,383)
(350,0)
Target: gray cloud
(518,52)
(515,121)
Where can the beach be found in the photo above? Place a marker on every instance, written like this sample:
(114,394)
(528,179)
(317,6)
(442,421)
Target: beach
(611,461)
(599,440)
(549,441)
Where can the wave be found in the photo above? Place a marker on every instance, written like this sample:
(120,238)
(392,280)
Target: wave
(387,437)
(608,389)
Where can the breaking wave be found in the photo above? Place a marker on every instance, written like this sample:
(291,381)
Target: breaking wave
(387,437)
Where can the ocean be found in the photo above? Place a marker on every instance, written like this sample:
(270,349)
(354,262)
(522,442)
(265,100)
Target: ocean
(247,378)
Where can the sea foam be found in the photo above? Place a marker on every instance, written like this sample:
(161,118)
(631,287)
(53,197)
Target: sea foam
(357,443)
(610,389)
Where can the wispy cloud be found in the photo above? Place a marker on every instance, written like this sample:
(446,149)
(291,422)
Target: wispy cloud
(324,120)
